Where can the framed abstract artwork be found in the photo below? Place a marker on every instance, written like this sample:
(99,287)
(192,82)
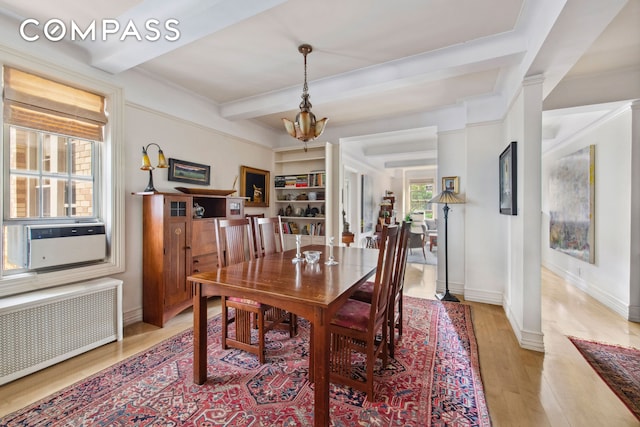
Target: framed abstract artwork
(508,180)
(571,204)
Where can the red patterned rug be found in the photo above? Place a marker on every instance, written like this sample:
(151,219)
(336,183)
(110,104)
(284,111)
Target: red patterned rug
(618,366)
(434,380)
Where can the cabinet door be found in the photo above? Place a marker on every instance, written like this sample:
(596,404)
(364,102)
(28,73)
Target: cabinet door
(176,252)
(203,237)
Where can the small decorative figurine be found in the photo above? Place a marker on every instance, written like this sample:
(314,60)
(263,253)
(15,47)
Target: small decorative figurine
(198,211)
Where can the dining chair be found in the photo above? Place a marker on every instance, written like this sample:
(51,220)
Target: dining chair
(235,244)
(268,235)
(252,218)
(356,325)
(269,239)
(365,292)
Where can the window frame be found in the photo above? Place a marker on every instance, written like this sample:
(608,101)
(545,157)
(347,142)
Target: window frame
(109,186)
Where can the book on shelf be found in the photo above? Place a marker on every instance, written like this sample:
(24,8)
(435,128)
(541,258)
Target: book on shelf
(317,179)
(302,181)
(311,229)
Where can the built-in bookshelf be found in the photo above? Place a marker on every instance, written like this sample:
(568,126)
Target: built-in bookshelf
(301,183)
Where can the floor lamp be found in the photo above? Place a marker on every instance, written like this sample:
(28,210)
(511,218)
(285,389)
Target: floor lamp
(447,198)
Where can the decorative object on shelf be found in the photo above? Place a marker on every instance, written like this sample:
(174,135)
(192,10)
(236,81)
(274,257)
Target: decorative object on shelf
(313,195)
(331,260)
(447,198)
(450,183)
(198,211)
(254,184)
(508,180)
(288,211)
(146,165)
(305,128)
(204,191)
(189,172)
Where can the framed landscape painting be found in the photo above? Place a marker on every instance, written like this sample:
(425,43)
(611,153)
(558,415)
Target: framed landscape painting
(192,173)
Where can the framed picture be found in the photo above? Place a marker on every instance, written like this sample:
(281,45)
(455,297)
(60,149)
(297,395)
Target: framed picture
(193,173)
(450,183)
(508,180)
(254,184)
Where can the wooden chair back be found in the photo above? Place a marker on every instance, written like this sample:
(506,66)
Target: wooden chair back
(235,241)
(384,273)
(269,237)
(400,265)
(397,286)
(256,243)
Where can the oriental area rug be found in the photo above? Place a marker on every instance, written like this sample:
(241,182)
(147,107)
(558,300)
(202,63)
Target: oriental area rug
(433,380)
(618,366)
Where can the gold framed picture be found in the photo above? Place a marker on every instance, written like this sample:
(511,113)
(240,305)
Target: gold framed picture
(254,184)
(450,183)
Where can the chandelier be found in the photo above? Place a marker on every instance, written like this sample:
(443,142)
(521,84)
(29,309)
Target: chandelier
(305,128)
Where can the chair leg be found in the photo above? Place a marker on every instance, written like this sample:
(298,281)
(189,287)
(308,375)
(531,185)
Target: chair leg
(311,355)
(392,333)
(399,325)
(225,322)
(261,334)
(293,325)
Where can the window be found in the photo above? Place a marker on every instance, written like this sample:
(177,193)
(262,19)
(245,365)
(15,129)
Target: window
(50,176)
(61,165)
(420,192)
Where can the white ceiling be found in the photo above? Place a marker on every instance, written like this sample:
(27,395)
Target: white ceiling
(401,69)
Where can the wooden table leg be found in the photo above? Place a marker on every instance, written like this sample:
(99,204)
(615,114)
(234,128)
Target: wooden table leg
(320,369)
(199,335)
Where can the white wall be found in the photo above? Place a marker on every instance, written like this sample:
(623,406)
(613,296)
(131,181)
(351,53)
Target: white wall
(607,280)
(485,240)
(185,141)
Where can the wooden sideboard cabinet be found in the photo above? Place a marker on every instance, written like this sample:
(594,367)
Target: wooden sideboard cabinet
(177,244)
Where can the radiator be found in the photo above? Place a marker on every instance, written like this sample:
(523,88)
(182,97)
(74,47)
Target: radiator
(41,328)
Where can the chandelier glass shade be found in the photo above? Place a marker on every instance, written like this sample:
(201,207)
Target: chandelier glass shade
(305,127)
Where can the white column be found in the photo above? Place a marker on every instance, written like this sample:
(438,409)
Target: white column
(634,261)
(530,158)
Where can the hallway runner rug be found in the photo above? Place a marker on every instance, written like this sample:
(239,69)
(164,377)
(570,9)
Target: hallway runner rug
(618,366)
(434,380)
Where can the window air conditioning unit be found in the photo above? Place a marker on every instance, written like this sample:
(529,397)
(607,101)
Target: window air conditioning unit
(57,245)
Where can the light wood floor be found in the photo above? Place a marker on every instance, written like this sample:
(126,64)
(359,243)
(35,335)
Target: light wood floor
(523,388)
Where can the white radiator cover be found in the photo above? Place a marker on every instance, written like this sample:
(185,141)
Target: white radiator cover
(39,329)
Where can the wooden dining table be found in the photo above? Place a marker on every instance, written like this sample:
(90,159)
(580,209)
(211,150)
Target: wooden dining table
(312,291)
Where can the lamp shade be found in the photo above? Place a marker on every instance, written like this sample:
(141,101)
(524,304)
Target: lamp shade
(447,197)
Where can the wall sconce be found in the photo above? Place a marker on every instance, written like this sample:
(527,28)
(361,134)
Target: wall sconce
(146,165)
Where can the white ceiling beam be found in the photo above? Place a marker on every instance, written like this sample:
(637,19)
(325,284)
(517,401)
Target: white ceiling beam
(503,50)
(197,19)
